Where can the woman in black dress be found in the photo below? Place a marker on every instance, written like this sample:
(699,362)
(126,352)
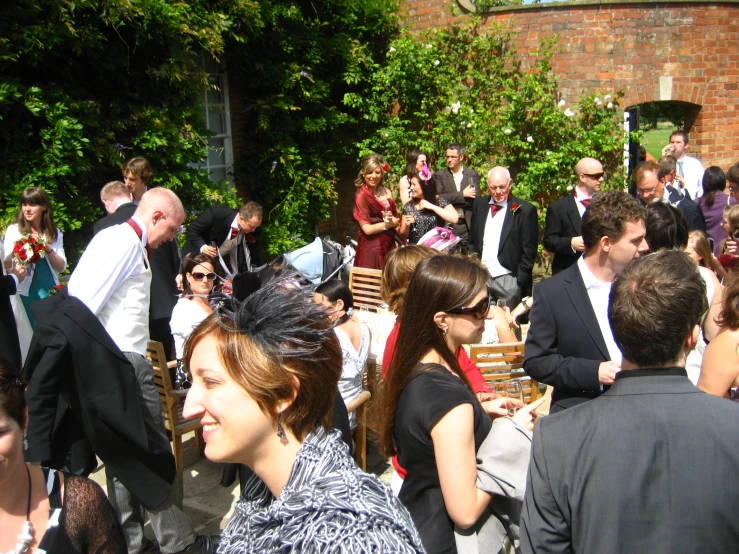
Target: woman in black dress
(427,413)
(424,212)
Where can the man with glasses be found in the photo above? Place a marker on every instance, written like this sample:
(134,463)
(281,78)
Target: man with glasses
(569,344)
(562,234)
(460,185)
(655,183)
(227,235)
(505,235)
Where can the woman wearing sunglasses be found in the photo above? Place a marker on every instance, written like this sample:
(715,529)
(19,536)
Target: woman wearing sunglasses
(198,279)
(427,413)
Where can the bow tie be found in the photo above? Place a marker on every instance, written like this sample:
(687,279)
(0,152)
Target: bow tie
(494,209)
(235,233)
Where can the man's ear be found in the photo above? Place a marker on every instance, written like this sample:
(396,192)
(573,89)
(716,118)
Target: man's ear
(692,339)
(605,243)
(157,215)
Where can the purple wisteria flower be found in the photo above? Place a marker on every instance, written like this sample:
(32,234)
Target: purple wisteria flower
(274,165)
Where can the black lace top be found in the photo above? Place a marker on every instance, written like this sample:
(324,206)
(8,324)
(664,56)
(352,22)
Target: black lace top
(425,220)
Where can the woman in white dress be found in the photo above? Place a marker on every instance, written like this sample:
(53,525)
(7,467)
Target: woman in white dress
(198,279)
(354,338)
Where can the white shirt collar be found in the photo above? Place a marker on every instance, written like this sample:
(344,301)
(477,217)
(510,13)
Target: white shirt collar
(588,278)
(502,204)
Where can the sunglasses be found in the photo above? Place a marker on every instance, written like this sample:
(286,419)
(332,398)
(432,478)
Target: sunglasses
(200,276)
(478,311)
(595,176)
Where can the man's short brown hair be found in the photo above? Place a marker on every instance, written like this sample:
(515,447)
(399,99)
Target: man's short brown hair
(277,345)
(607,216)
(249,210)
(667,164)
(643,168)
(654,304)
(114,190)
(139,167)
(733,174)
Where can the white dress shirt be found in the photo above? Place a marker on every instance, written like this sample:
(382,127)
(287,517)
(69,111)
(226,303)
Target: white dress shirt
(579,197)
(113,256)
(491,241)
(13,235)
(598,292)
(691,170)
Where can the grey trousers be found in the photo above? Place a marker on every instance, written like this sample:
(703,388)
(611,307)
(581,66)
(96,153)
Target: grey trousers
(172,528)
(505,287)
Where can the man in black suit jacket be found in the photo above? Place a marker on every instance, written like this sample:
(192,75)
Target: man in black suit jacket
(650,465)
(569,344)
(562,234)
(506,241)
(227,234)
(460,185)
(9,346)
(652,186)
(165,264)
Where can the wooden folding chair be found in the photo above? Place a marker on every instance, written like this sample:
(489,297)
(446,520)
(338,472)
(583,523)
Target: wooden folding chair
(359,406)
(365,286)
(501,362)
(172,404)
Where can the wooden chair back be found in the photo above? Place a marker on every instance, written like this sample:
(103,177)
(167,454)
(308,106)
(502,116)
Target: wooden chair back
(501,362)
(359,406)
(365,286)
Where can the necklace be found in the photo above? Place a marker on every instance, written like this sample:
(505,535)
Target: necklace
(26,535)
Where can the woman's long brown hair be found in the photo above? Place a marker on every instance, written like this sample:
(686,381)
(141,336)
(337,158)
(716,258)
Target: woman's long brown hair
(37,197)
(439,284)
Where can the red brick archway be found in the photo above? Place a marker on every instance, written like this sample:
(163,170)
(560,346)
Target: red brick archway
(681,52)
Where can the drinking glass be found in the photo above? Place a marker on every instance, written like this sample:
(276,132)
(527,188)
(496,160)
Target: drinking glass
(513,390)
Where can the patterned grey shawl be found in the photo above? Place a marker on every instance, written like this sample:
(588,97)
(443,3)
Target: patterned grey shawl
(328,505)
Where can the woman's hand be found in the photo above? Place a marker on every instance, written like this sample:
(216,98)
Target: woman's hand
(525,417)
(513,316)
(392,222)
(425,205)
(499,406)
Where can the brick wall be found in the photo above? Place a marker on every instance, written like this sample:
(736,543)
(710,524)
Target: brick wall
(682,51)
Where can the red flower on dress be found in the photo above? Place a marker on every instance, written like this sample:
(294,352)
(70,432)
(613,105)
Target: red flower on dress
(514,208)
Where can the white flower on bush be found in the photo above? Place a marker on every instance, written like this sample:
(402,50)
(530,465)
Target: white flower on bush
(469,125)
(391,50)
(385,135)
(455,107)
(507,132)
(607,97)
(561,103)
(569,112)
(437,62)
(447,110)
(529,139)
(429,46)
(569,188)
(472,111)
(610,105)
(597,101)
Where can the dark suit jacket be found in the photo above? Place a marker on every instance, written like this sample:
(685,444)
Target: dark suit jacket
(73,360)
(519,238)
(212,226)
(9,346)
(444,182)
(563,223)
(692,211)
(564,345)
(650,466)
(165,265)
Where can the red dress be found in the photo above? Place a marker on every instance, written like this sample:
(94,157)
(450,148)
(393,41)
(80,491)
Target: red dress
(372,249)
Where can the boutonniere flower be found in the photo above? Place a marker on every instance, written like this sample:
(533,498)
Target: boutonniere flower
(251,238)
(514,207)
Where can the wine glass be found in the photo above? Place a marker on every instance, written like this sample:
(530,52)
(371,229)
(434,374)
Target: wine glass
(514,391)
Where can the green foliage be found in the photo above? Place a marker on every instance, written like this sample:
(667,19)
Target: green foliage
(467,84)
(88,84)
(293,76)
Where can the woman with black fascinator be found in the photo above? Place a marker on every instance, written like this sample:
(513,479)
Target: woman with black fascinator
(264,379)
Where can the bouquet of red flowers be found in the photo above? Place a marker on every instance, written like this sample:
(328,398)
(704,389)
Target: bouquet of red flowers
(29,250)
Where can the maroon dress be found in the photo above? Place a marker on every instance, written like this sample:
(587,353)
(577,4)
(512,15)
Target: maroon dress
(372,249)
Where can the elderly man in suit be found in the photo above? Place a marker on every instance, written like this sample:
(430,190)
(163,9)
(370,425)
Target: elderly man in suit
(649,466)
(505,235)
(228,235)
(562,235)
(460,185)
(569,344)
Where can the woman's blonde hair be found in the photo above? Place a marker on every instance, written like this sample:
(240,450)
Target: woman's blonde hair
(699,242)
(399,267)
(369,164)
(732,214)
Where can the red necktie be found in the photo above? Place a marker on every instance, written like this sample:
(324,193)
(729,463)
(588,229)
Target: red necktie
(234,233)
(494,209)
(139,233)
(585,202)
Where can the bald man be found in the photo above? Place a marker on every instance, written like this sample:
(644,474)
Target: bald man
(505,235)
(562,234)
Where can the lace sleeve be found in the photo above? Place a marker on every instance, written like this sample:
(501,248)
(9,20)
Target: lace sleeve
(89,520)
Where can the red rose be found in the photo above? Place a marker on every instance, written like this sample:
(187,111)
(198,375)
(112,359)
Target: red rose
(251,238)
(514,207)
(385,167)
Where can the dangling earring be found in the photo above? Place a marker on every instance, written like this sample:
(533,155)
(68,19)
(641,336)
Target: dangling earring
(25,441)
(444,332)
(281,429)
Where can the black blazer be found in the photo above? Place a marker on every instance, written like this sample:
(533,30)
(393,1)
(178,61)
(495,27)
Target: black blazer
(9,347)
(444,182)
(692,211)
(650,466)
(563,223)
(165,265)
(74,361)
(564,345)
(519,239)
(212,226)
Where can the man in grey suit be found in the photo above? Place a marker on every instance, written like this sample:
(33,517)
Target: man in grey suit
(460,185)
(650,465)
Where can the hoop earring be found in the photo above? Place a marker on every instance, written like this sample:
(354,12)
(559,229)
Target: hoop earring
(444,332)
(280,429)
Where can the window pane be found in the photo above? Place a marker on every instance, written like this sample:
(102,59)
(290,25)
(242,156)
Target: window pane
(216,120)
(218,174)
(214,96)
(216,154)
